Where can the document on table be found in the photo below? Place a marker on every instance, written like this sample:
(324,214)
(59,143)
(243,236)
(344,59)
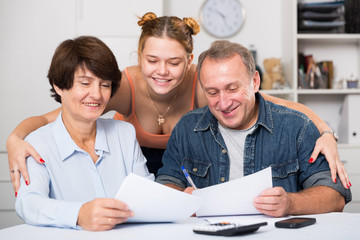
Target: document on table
(154,202)
(234,197)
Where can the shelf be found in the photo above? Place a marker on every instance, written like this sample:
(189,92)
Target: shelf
(278,92)
(327,91)
(343,49)
(312,91)
(328,36)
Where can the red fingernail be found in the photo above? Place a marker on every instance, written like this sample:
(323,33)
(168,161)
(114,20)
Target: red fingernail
(26,182)
(335,180)
(350,184)
(311,160)
(15,194)
(41,160)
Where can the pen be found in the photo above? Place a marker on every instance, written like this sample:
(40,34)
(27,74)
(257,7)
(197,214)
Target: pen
(188,177)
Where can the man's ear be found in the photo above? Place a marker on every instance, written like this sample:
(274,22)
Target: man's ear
(256,81)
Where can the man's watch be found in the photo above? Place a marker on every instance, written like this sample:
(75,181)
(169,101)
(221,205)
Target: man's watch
(336,137)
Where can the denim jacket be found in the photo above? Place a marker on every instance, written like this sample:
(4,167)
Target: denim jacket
(283,139)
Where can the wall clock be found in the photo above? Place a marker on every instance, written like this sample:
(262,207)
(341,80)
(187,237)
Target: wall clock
(222,18)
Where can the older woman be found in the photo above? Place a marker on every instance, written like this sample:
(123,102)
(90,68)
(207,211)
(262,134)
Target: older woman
(87,157)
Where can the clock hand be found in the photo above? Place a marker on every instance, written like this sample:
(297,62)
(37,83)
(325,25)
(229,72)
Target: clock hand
(221,14)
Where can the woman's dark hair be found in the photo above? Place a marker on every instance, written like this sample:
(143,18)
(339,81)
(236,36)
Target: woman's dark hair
(84,52)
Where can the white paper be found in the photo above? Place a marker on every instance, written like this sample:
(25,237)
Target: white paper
(154,202)
(234,197)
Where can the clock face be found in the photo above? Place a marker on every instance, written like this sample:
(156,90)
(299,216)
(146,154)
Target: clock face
(222,18)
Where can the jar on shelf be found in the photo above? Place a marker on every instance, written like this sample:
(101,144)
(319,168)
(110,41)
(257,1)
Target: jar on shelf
(352,82)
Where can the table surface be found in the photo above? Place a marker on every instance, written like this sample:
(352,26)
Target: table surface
(328,226)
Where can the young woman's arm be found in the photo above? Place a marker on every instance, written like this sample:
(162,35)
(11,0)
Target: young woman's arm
(18,149)
(326,144)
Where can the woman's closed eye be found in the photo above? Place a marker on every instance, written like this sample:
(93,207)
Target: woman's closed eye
(174,63)
(106,84)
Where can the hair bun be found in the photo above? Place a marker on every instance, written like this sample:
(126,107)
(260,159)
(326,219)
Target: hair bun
(147,17)
(193,25)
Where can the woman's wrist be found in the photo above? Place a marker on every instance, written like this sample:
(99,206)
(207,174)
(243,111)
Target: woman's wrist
(10,138)
(336,137)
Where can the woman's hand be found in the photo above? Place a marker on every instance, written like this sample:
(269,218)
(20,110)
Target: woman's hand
(327,145)
(103,214)
(18,150)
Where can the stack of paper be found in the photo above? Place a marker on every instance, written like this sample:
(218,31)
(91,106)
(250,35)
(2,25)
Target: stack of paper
(234,197)
(153,202)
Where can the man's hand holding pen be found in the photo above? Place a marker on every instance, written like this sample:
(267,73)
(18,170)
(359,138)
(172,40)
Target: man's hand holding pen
(188,178)
(193,187)
(189,190)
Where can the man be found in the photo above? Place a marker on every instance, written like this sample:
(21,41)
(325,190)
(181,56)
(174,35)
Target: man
(240,133)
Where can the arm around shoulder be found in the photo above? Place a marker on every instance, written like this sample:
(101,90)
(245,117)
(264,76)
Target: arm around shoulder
(18,149)
(32,123)
(319,123)
(326,144)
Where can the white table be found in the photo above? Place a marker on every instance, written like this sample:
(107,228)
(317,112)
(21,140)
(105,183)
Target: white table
(328,226)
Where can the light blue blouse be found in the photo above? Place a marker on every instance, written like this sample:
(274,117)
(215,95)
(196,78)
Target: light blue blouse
(69,177)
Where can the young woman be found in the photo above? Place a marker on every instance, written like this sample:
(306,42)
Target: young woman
(155,94)
(87,157)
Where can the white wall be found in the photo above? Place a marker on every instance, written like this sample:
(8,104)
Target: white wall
(27,44)
(263,25)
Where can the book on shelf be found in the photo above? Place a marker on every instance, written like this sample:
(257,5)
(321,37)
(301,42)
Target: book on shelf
(314,75)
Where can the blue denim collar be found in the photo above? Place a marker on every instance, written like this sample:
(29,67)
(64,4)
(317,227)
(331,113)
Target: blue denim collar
(265,119)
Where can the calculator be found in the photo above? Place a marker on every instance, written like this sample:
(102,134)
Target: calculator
(227,229)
